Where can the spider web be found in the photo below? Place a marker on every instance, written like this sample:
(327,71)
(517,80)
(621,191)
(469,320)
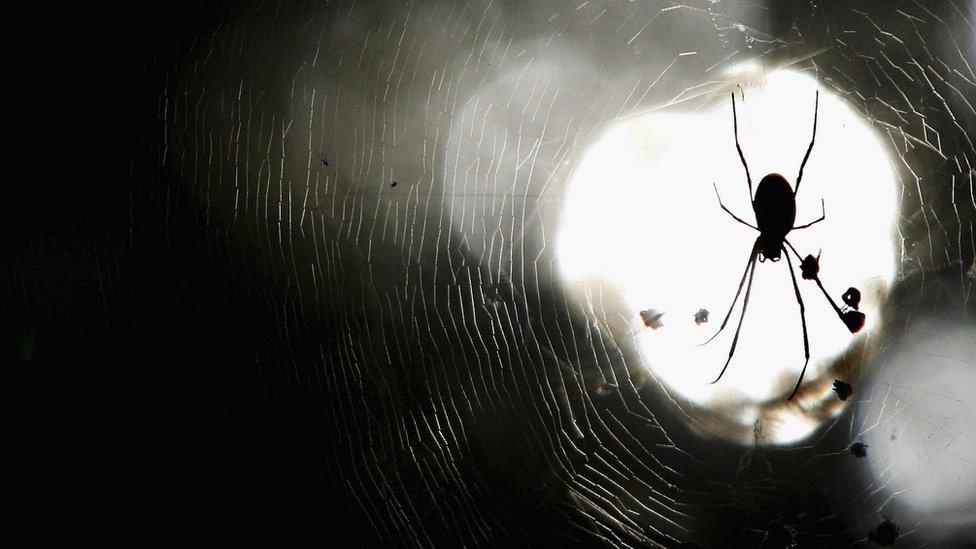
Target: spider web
(378,187)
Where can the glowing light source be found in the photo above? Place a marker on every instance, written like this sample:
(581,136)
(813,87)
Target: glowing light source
(642,219)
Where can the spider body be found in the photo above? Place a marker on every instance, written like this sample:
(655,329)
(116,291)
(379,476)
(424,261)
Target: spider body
(774,205)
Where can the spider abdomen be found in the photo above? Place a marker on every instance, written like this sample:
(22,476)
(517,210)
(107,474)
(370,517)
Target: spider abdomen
(775,208)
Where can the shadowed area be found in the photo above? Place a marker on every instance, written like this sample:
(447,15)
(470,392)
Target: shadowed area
(434,272)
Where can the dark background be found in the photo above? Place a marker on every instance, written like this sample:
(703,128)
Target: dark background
(181,387)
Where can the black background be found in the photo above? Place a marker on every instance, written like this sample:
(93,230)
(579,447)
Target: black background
(156,416)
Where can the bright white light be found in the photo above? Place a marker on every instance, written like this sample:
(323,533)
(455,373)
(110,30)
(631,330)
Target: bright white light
(642,218)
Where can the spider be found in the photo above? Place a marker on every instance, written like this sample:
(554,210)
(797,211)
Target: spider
(774,205)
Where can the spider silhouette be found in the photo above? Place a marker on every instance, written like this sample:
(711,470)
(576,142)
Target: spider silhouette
(774,205)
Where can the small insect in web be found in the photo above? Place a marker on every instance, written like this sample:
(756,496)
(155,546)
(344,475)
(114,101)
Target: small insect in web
(701,316)
(884,533)
(652,318)
(843,389)
(774,205)
(859,450)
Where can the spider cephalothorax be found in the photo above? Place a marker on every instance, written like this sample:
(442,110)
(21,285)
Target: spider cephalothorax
(774,206)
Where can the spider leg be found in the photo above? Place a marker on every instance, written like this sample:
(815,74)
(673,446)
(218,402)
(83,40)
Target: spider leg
(735,340)
(737,218)
(752,260)
(830,299)
(823,215)
(803,321)
(798,256)
(816,105)
(735,127)
(833,304)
